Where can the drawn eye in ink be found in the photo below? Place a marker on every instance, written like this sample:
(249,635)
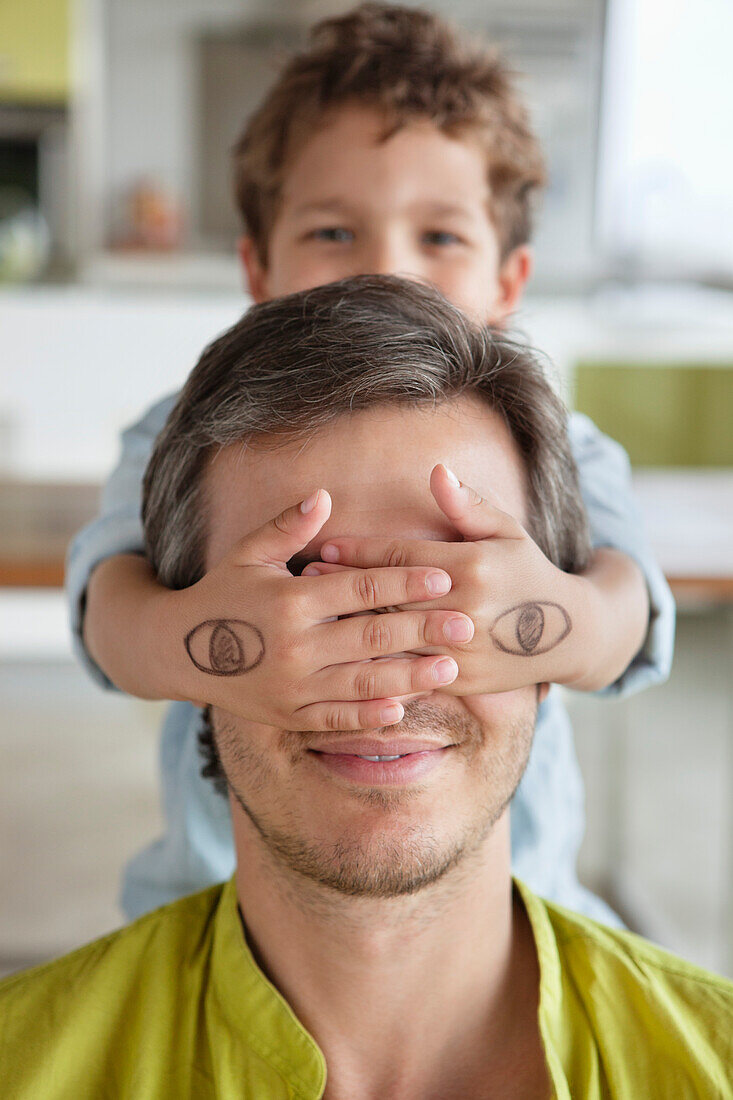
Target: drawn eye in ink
(531,628)
(225,647)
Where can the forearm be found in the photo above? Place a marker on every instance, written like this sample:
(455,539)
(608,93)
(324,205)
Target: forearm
(124,629)
(618,619)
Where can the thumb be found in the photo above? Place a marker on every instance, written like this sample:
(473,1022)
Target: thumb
(277,541)
(471,514)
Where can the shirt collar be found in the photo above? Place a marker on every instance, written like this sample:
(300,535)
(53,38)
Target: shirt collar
(550,1012)
(255,1013)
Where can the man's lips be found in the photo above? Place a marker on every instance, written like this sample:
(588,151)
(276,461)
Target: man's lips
(399,762)
(370,746)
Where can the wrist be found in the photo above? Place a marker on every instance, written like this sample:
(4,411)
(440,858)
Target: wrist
(579,660)
(614,620)
(163,629)
(122,625)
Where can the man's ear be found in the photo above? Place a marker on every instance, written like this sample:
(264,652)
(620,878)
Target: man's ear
(513,275)
(255,274)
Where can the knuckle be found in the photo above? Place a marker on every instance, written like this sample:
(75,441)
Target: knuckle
(285,608)
(474,556)
(431,629)
(366,589)
(365,684)
(366,718)
(414,586)
(295,605)
(289,649)
(476,566)
(419,676)
(396,556)
(335,719)
(281,523)
(377,635)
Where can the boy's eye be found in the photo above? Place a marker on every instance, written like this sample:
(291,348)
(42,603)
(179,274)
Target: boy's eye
(334,233)
(440,237)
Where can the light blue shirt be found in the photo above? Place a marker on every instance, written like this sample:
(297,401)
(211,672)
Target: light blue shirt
(547,820)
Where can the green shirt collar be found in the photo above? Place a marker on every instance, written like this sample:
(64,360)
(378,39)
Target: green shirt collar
(252,1008)
(550,1012)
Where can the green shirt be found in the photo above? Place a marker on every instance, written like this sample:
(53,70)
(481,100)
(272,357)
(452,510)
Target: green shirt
(174,1006)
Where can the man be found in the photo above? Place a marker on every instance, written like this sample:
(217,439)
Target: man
(371,943)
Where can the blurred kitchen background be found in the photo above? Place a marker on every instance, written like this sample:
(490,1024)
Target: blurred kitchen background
(117,265)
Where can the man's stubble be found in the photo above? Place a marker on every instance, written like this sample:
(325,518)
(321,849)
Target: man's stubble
(380,866)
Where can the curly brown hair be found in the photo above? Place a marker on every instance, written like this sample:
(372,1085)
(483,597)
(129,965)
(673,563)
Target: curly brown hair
(409,65)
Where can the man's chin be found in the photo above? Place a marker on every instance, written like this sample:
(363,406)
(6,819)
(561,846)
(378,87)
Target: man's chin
(386,867)
(377,854)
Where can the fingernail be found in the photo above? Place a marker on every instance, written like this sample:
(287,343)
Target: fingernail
(309,503)
(445,671)
(438,583)
(391,714)
(457,630)
(452,477)
(329,553)
(311,571)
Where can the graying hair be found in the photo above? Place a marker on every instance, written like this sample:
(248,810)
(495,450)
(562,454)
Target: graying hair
(293,365)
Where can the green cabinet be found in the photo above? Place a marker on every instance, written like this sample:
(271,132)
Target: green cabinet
(34,51)
(666,414)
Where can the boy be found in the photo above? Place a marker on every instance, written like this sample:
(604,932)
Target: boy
(386,147)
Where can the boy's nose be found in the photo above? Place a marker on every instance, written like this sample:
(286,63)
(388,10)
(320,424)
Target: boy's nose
(388,257)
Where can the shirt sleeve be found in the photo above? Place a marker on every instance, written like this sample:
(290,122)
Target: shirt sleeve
(615,522)
(117,529)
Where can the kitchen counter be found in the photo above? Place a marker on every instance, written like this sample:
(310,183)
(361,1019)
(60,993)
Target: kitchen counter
(689,517)
(37,521)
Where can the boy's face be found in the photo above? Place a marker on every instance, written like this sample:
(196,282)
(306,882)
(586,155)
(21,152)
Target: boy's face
(415,205)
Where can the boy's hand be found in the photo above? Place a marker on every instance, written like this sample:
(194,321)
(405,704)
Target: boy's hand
(530,618)
(266,645)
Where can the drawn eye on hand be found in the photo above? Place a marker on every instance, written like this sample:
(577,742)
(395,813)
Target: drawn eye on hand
(531,628)
(225,647)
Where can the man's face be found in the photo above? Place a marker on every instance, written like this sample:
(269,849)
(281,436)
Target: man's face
(416,205)
(373,828)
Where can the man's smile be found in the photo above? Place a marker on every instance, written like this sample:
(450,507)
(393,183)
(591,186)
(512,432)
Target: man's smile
(372,762)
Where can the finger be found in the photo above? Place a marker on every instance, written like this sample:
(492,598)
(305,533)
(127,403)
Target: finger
(394,677)
(368,553)
(352,590)
(476,517)
(348,716)
(288,533)
(363,636)
(323,568)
